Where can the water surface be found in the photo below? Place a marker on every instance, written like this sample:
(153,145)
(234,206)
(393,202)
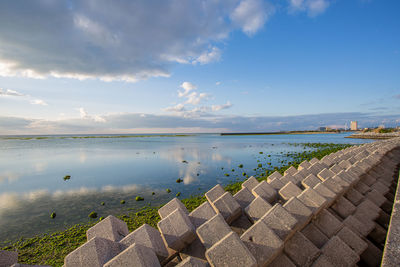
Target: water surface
(113,169)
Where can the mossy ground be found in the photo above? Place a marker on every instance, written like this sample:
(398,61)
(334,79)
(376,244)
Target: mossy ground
(51,249)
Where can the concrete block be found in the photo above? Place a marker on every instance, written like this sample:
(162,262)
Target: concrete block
(344,164)
(336,168)
(241,224)
(214,193)
(348,177)
(301,250)
(135,255)
(312,233)
(195,249)
(354,196)
(290,171)
(289,190)
(299,211)
(282,261)
(273,176)
(257,208)
(340,181)
(333,186)
(298,177)
(110,228)
(213,231)
(288,178)
(266,191)
(250,183)
(280,221)
(177,230)
(338,253)
(230,251)
(326,193)
(302,173)
(343,207)
(310,181)
(322,261)
(372,256)
(8,258)
(376,197)
(262,242)
(367,212)
(201,214)
(149,237)
(172,205)
(317,167)
(357,226)
(312,200)
(244,197)
(228,207)
(327,223)
(304,165)
(353,240)
(192,262)
(378,235)
(325,174)
(314,160)
(368,179)
(96,252)
(276,184)
(380,187)
(362,188)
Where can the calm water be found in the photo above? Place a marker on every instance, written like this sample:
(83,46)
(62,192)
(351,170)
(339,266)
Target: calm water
(115,169)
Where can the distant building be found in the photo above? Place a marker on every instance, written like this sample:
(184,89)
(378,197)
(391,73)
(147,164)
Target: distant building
(322,129)
(353,125)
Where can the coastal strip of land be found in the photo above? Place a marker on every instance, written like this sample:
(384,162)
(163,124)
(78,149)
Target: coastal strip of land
(375,136)
(279,133)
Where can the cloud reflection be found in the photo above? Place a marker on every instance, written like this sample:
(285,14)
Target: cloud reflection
(13,200)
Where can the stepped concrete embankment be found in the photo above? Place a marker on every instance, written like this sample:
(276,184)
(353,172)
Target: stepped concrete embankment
(372,135)
(336,211)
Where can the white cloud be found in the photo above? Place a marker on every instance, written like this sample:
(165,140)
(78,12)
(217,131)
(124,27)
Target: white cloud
(13,93)
(220,107)
(187,87)
(195,98)
(312,7)
(217,83)
(9,92)
(251,15)
(214,54)
(177,108)
(82,112)
(38,102)
(123,40)
(189,122)
(85,116)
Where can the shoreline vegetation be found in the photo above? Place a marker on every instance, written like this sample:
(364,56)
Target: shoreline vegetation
(52,248)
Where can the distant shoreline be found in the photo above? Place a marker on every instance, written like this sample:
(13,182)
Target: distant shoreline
(280,133)
(90,136)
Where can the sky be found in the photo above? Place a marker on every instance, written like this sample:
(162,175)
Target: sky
(169,66)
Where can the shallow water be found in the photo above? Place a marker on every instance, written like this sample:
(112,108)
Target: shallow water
(115,169)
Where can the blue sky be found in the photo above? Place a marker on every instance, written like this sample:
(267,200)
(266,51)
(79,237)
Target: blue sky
(197,66)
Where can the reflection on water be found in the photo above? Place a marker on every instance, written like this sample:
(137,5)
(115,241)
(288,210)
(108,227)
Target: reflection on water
(114,169)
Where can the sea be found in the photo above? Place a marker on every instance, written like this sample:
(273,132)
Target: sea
(72,175)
